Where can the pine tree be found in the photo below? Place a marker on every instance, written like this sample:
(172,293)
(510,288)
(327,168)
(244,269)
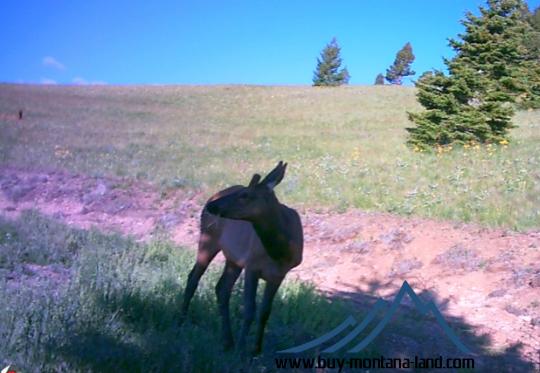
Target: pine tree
(402,65)
(487,73)
(379,80)
(532,40)
(327,73)
(458,110)
(500,44)
(533,18)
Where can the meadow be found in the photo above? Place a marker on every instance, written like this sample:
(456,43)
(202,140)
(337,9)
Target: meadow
(345,146)
(112,305)
(80,301)
(109,303)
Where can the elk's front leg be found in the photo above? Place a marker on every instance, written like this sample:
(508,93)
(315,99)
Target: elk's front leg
(223,293)
(250,308)
(270,291)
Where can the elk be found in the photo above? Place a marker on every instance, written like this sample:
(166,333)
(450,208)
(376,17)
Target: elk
(11,116)
(256,233)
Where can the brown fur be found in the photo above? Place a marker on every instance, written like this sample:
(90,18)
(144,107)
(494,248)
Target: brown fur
(256,233)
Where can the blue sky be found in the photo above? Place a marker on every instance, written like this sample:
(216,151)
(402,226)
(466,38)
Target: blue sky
(218,42)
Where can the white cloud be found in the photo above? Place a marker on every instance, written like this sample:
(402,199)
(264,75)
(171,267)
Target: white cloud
(79,81)
(47,81)
(82,81)
(52,62)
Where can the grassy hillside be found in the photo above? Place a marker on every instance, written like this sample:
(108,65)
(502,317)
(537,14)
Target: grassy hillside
(345,146)
(83,301)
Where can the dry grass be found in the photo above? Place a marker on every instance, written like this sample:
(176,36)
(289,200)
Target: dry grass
(345,146)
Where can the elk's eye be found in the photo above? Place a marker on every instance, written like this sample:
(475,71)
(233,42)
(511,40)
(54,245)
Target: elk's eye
(243,195)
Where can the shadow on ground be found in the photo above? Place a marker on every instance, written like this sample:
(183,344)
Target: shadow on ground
(409,333)
(159,345)
(119,315)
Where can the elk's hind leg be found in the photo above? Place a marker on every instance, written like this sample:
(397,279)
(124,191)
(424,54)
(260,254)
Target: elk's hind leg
(208,249)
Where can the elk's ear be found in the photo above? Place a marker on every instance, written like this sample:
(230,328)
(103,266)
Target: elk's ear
(254,180)
(275,176)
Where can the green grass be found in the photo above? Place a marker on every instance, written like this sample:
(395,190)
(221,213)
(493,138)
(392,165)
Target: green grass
(117,313)
(115,308)
(345,146)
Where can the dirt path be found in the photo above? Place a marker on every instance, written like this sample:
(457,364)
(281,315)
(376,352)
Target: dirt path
(487,280)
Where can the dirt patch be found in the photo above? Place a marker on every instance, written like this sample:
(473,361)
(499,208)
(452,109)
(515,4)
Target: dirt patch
(129,206)
(489,278)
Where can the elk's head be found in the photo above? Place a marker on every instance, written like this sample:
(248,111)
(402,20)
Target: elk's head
(253,202)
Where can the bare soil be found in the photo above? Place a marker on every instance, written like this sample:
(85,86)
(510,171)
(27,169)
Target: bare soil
(484,280)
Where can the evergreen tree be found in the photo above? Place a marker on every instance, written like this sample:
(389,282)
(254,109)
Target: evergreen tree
(500,44)
(379,80)
(487,73)
(402,66)
(524,12)
(533,18)
(458,110)
(532,41)
(327,73)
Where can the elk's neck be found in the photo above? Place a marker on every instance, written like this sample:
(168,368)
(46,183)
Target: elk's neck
(274,232)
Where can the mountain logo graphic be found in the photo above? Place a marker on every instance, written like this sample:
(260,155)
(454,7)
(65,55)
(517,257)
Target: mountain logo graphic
(11,369)
(381,304)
